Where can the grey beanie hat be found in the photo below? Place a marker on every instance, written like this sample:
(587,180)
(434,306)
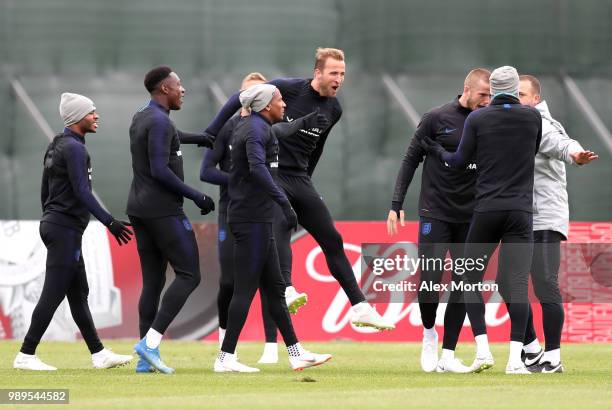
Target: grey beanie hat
(504,80)
(74,107)
(257,97)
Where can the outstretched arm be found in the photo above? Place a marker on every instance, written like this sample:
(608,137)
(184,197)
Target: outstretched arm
(465,150)
(201,140)
(557,144)
(231,106)
(583,157)
(308,121)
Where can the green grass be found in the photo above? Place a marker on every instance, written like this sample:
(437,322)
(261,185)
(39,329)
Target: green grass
(360,376)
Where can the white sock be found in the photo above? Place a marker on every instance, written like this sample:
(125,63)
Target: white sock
(24,355)
(515,352)
(552,356)
(99,355)
(224,356)
(482,346)
(270,346)
(295,350)
(270,351)
(448,354)
(430,333)
(221,336)
(533,347)
(153,338)
(360,307)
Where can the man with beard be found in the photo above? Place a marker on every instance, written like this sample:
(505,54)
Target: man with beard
(298,157)
(446,204)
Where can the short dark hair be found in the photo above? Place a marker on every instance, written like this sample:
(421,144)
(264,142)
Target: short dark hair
(535,83)
(155,76)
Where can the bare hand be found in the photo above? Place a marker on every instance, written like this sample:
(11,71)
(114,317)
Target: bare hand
(392,221)
(583,157)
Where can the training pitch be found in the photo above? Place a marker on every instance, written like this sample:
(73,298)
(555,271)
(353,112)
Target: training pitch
(360,376)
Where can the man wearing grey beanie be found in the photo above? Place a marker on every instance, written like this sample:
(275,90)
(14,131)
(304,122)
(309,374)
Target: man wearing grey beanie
(250,217)
(504,137)
(67,202)
(74,107)
(215,169)
(504,81)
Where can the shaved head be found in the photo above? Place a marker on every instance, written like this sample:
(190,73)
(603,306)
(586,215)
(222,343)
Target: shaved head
(477,74)
(476,92)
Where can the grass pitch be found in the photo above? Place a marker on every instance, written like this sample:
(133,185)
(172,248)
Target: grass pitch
(360,376)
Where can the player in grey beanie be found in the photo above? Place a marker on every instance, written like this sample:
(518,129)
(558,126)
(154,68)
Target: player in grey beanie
(68,202)
(74,107)
(504,80)
(257,97)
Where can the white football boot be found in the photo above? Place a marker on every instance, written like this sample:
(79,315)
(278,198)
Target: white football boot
(364,315)
(308,359)
(294,299)
(30,362)
(107,359)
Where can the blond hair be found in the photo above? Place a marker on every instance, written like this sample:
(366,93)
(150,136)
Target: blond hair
(323,53)
(254,76)
(477,74)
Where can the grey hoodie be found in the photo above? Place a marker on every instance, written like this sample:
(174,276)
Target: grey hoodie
(550,205)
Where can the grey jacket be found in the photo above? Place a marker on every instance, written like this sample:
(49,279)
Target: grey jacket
(550,205)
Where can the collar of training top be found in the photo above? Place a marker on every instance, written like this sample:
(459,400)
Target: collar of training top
(255,114)
(460,107)
(69,133)
(312,91)
(157,105)
(505,99)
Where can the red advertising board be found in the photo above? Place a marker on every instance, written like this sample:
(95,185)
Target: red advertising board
(325,317)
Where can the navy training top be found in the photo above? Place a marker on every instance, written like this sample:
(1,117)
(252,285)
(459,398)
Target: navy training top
(446,194)
(66,195)
(299,153)
(252,190)
(157,188)
(504,137)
